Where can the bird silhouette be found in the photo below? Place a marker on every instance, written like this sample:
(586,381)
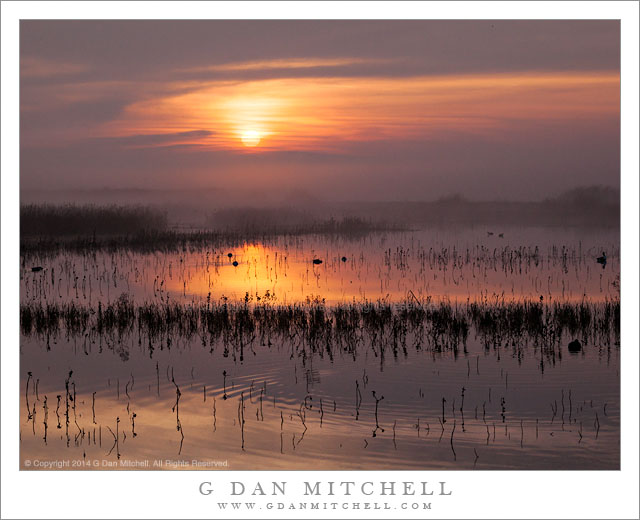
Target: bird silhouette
(575,346)
(602,259)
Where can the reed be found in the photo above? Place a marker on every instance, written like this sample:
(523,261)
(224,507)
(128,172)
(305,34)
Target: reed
(87,220)
(50,230)
(319,329)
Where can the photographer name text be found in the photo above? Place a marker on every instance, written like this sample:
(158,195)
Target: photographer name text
(328,488)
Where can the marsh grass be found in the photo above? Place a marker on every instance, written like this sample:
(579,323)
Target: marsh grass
(316,329)
(46,230)
(87,220)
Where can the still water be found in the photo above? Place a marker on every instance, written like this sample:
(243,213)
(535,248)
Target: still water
(105,400)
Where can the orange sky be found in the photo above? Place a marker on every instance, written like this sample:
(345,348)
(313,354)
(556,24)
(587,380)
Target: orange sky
(323,114)
(386,109)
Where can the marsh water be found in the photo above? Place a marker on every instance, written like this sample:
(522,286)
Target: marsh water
(104,400)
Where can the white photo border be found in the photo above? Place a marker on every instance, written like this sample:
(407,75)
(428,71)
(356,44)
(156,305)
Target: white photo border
(494,494)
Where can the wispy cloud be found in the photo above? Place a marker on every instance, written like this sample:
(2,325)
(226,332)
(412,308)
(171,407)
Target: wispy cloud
(285,64)
(165,139)
(31,67)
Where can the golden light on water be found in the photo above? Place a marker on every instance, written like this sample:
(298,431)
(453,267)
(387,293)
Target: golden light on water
(283,275)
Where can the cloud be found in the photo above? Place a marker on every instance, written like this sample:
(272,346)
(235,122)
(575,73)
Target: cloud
(318,67)
(165,139)
(33,67)
(286,63)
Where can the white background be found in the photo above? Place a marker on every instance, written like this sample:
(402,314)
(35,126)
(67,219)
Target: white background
(494,494)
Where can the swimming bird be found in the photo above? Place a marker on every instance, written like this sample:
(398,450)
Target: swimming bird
(489,233)
(36,269)
(602,259)
(501,235)
(317,261)
(229,255)
(344,258)
(235,263)
(575,346)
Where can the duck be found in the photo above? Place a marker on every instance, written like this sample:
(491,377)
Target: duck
(36,269)
(317,261)
(234,263)
(602,259)
(575,346)
(344,258)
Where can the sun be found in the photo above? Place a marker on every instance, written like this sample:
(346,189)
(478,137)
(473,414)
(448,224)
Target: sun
(251,138)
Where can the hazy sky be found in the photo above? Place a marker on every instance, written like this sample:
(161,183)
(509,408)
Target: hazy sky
(342,110)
